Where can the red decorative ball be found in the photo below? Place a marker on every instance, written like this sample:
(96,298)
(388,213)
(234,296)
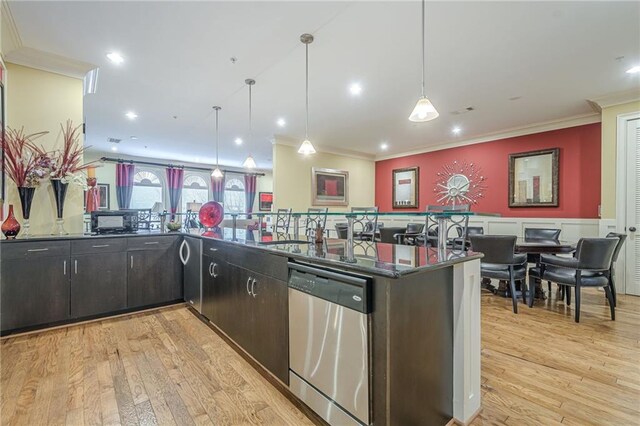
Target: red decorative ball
(211,214)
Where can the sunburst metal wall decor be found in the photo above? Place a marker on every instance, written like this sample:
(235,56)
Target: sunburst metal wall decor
(460,183)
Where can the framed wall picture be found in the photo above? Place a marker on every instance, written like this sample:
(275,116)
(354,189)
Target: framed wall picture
(329,187)
(533,178)
(265,201)
(405,188)
(105,202)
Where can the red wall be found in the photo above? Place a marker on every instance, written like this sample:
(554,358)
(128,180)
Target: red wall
(579,172)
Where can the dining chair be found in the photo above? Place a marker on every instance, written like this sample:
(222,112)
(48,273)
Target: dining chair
(540,234)
(612,272)
(341,230)
(500,262)
(365,224)
(590,267)
(283,219)
(471,230)
(461,223)
(388,234)
(315,218)
(411,232)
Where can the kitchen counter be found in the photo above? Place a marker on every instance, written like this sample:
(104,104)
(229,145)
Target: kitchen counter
(389,260)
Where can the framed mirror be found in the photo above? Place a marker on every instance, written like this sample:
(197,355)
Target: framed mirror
(533,178)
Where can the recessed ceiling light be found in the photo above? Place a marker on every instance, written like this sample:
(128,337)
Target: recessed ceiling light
(456,130)
(633,70)
(115,57)
(281,122)
(238,141)
(114,148)
(131,115)
(134,138)
(355,89)
(384,146)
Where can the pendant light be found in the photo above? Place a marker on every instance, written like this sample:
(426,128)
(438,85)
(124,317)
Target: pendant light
(424,109)
(217,173)
(307,147)
(250,163)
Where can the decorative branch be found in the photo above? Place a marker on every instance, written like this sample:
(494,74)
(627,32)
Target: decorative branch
(23,163)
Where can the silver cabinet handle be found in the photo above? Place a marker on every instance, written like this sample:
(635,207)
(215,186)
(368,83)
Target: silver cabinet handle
(182,258)
(150,243)
(215,274)
(64,267)
(188,252)
(75,266)
(248,291)
(253,284)
(213,249)
(41,249)
(100,246)
(131,261)
(211,269)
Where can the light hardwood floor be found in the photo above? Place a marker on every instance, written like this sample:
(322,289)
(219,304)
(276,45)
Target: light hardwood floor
(167,367)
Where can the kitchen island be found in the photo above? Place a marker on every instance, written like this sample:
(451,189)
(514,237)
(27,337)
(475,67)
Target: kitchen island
(419,311)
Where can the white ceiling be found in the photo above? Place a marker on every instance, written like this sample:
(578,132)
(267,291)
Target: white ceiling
(551,55)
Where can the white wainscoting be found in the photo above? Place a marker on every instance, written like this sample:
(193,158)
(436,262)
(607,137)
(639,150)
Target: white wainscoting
(572,229)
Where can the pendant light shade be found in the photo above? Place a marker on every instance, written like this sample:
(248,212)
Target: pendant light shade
(217,173)
(424,109)
(307,147)
(249,163)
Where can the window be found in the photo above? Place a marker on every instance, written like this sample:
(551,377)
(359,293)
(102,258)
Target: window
(194,189)
(147,190)
(234,200)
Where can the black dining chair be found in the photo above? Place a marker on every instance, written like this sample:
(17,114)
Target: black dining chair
(612,271)
(540,234)
(388,234)
(590,267)
(342,230)
(409,234)
(501,263)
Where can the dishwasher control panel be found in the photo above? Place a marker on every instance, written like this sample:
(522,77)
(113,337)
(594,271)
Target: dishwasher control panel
(351,291)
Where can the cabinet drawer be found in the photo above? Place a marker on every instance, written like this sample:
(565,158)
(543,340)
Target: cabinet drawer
(259,261)
(99,245)
(212,247)
(34,250)
(150,243)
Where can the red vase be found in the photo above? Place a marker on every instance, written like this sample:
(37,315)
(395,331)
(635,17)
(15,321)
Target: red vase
(10,227)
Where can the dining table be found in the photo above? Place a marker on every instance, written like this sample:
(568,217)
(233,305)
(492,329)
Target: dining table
(532,246)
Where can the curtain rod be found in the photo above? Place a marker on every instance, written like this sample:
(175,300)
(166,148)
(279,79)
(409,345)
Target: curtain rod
(151,163)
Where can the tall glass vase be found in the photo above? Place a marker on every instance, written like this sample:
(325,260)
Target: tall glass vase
(59,194)
(26,197)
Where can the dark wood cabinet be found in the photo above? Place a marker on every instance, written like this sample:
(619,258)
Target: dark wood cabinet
(98,283)
(154,272)
(35,290)
(191,258)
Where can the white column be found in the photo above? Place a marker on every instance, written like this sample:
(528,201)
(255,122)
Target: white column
(466,341)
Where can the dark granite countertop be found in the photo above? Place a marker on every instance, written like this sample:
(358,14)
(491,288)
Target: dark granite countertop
(384,259)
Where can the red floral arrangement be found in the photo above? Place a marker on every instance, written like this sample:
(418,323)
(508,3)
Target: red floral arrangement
(24,163)
(67,162)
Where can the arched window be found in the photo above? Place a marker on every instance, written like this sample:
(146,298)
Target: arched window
(194,190)
(234,200)
(147,190)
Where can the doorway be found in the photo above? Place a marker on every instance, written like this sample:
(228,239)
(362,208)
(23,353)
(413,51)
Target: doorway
(628,209)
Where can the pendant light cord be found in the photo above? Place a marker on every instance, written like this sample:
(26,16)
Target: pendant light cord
(423,1)
(250,123)
(217,140)
(306,128)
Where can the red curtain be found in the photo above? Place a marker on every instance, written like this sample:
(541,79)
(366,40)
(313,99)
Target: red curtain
(124,184)
(175,179)
(218,188)
(250,192)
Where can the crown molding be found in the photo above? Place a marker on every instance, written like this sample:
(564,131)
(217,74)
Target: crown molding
(613,99)
(283,140)
(10,36)
(564,123)
(45,61)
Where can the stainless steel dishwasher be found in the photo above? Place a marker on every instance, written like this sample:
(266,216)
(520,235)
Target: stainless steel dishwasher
(329,343)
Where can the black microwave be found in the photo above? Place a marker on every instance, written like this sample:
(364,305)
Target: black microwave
(114,221)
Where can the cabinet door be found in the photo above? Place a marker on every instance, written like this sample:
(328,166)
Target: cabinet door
(98,283)
(34,293)
(208,289)
(155,276)
(191,252)
(269,341)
